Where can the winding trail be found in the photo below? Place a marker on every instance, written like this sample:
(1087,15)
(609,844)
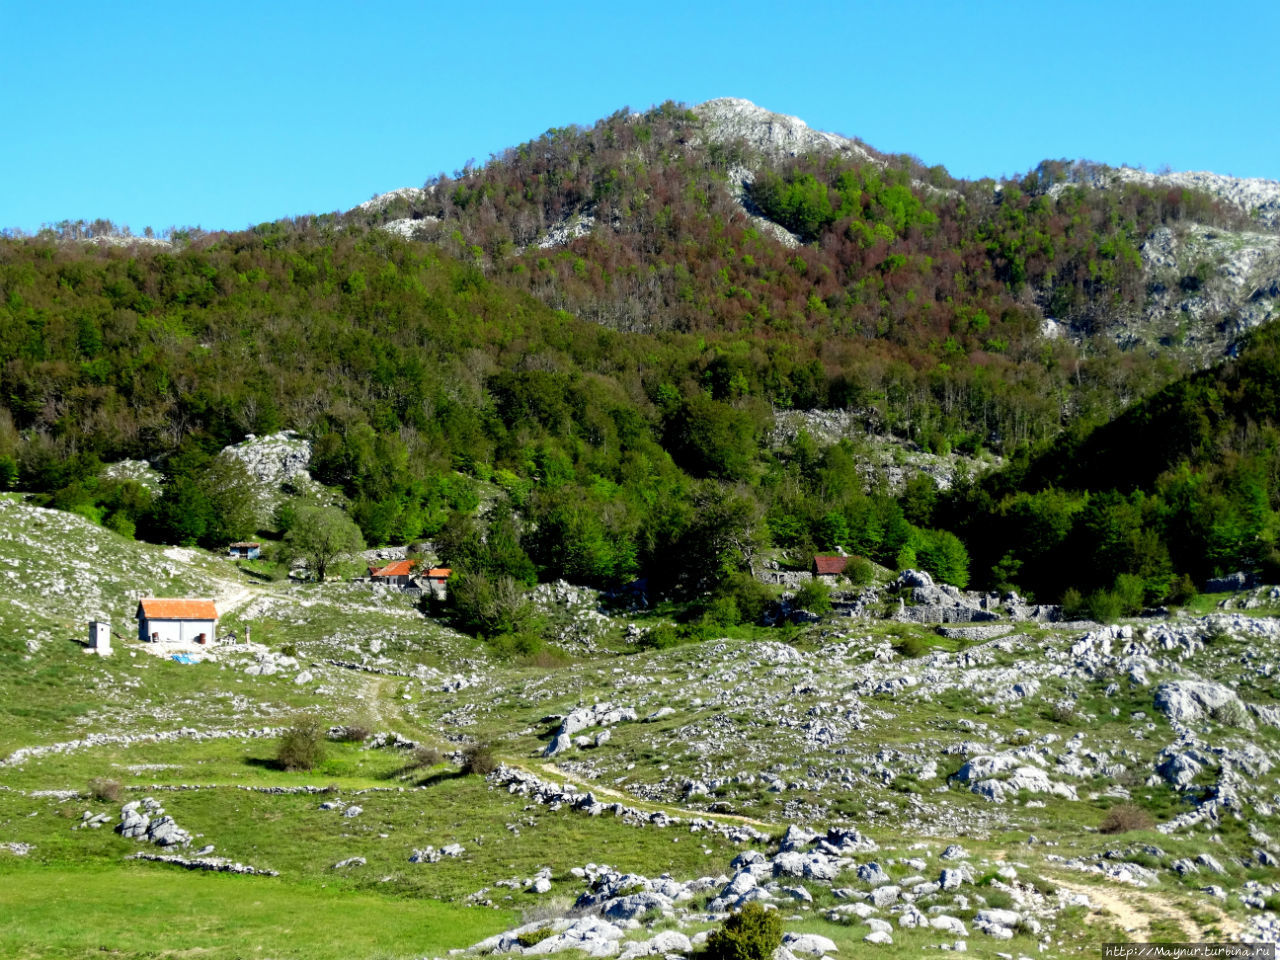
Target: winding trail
(1136,910)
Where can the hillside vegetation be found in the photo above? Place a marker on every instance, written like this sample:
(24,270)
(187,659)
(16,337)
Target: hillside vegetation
(616,390)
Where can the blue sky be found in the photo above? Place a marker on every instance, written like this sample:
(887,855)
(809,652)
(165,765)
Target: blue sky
(223,115)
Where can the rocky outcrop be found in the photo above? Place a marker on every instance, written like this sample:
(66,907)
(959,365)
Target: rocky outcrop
(207,864)
(278,465)
(729,120)
(1254,197)
(146,820)
(1187,701)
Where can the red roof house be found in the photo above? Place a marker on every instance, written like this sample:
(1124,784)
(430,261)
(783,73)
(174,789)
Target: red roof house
(397,572)
(177,620)
(829,566)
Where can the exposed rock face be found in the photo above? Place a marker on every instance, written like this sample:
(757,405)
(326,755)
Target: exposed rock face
(383,200)
(275,462)
(137,470)
(409,227)
(275,459)
(1254,197)
(1187,701)
(730,119)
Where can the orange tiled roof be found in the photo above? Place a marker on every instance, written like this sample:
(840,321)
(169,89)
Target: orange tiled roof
(165,608)
(400,568)
(830,565)
(439,573)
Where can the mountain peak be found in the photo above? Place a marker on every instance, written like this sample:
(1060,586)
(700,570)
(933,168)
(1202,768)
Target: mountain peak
(728,119)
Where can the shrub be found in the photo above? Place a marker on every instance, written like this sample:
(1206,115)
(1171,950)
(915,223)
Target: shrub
(288,650)
(753,933)
(511,646)
(1103,606)
(1126,817)
(104,788)
(1130,594)
(1230,714)
(911,646)
(425,757)
(352,733)
(1063,713)
(1182,591)
(860,571)
(1216,634)
(302,745)
(479,758)
(814,596)
(533,937)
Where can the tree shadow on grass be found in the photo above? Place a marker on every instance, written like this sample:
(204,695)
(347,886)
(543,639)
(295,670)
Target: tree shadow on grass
(441,776)
(265,763)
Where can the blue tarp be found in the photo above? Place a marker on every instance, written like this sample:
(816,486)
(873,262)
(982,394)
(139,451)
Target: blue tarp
(184,658)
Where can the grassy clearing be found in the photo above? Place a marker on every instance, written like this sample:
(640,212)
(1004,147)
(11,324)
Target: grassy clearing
(148,910)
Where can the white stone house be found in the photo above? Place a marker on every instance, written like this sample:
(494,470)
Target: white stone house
(174,620)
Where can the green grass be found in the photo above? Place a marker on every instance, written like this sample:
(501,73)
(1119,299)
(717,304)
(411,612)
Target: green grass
(152,910)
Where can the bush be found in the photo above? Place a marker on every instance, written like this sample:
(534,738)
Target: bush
(352,733)
(488,606)
(814,596)
(1103,606)
(753,933)
(859,571)
(1130,594)
(533,937)
(911,647)
(1063,713)
(1126,817)
(425,757)
(288,650)
(104,788)
(1182,591)
(302,745)
(665,636)
(479,758)
(1230,714)
(1073,607)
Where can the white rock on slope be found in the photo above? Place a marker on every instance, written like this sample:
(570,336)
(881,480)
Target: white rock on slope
(729,119)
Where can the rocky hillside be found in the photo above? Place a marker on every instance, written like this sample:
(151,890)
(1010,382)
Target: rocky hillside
(1204,281)
(1014,785)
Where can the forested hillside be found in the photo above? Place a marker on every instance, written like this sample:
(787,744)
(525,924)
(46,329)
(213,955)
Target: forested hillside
(1178,488)
(617,389)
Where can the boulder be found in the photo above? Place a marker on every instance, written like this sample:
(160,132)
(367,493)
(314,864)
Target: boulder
(1188,701)
(810,943)
(873,874)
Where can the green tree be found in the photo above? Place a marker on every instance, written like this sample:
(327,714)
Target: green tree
(488,606)
(942,554)
(229,488)
(319,535)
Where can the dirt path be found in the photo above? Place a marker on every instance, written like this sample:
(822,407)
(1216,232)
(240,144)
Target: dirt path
(375,694)
(1135,910)
(555,771)
(232,597)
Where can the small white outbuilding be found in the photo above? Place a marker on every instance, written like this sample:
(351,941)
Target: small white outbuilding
(173,620)
(100,637)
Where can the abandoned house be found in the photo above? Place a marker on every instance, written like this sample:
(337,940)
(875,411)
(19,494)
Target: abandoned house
(173,620)
(244,551)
